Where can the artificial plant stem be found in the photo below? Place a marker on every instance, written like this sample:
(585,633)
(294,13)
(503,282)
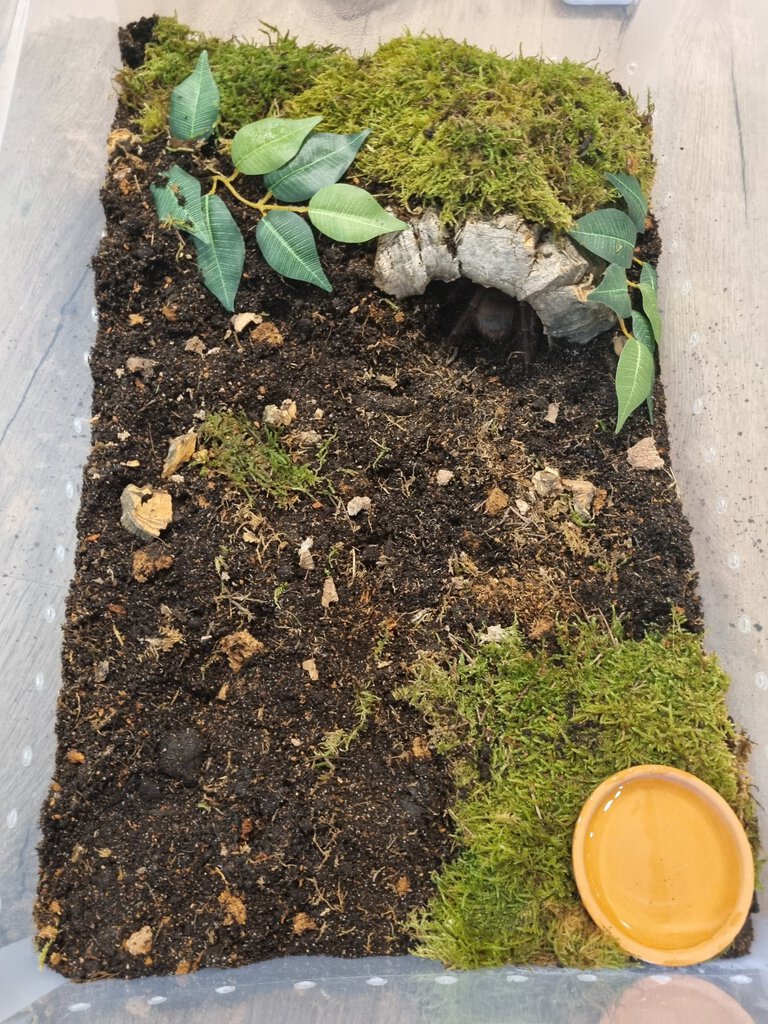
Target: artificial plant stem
(236,194)
(624,330)
(263,206)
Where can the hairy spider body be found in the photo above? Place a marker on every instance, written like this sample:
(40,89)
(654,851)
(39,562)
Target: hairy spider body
(497,317)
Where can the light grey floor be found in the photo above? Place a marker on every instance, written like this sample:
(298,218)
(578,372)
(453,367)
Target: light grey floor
(703,61)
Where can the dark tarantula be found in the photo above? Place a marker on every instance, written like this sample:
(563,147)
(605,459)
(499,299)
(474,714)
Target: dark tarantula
(497,317)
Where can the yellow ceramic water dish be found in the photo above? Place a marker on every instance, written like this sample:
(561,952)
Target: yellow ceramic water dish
(664,865)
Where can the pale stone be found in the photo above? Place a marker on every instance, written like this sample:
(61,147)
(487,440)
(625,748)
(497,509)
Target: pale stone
(547,482)
(279,417)
(306,561)
(644,455)
(330,596)
(180,450)
(583,494)
(358,505)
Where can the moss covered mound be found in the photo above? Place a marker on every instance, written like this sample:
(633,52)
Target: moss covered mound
(547,730)
(451,124)
(474,132)
(253,80)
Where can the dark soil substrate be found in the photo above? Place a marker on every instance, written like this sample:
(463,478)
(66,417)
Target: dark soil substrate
(192,821)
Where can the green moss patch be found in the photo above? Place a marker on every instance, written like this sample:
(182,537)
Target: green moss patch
(474,132)
(451,124)
(255,458)
(253,80)
(544,730)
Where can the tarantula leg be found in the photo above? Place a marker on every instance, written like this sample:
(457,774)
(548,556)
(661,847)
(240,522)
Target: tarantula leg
(463,325)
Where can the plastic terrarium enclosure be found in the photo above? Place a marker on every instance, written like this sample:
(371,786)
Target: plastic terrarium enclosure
(703,67)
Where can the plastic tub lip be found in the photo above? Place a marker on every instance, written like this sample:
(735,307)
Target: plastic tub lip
(669,855)
(557,990)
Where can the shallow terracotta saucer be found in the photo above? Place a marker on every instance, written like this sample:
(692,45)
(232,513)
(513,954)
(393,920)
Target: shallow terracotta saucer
(663,864)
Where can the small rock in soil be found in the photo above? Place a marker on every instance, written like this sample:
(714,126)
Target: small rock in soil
(310,667)
(150,791)
(583,494)
(547,482)
(143,367)
(195,345)
(241,320)
(492,635)
(330,596)
(358,505)
(644,455)
(444,477)
(180,450)
(279,417)
(306,561)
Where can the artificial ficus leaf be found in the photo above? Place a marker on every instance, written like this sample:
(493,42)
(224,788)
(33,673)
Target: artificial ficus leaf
(288,245)
(321,161)
(613,292)
(641,329)
(220,260)
(179,203)
(263,146)
(648,289)
(350,214)
(610,234)
(634,379)
(195,104)
(630,191)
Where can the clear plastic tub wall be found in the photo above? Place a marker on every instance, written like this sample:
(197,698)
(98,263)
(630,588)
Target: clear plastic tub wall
(703,62)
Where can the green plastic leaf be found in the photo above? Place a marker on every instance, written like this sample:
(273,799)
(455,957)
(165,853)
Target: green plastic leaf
(321,161)
(195,104)
(634,379)
(648,289)
(642,330)
(179,203)
(350,214)
(263,146)
(288,245)
(610,234)
(220,260)
(613,291)
(630,191)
